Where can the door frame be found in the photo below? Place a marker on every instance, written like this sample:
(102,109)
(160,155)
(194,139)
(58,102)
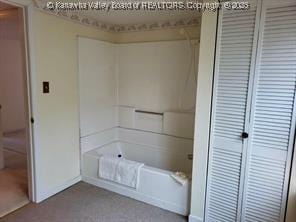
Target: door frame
(27,8)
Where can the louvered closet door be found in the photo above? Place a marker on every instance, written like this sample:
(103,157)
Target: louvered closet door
(272,124)
(235,49)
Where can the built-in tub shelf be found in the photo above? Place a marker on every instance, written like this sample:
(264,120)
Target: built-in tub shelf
(148,112)
(170,123)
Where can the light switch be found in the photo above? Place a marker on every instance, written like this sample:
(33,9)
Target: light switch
(45,87)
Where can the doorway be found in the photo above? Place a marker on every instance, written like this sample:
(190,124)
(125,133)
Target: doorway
(14,111)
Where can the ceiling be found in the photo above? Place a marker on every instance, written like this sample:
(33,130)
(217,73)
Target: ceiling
(121,20)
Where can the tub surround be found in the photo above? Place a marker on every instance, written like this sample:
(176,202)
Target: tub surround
(130,105)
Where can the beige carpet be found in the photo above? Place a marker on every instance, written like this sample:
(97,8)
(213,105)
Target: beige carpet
(13,183)
(86,203)
(15,141)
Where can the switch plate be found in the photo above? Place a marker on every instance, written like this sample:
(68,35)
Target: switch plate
(45,87)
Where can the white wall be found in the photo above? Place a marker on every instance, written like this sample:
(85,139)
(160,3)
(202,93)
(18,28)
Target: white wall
(97,86)
(54,58)
(152,76)
(125,77)
(12,71)
(203,112)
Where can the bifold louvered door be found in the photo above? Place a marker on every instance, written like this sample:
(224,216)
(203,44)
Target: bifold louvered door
(272,124)
(235,50)
(253,97)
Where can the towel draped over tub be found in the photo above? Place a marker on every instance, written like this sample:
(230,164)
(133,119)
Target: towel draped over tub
(120,170)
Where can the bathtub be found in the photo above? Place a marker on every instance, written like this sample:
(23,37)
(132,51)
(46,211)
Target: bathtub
(156,185)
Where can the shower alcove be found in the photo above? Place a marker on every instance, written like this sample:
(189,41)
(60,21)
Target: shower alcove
(138,100)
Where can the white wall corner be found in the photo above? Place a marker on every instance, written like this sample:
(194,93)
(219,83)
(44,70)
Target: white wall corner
(117,76)
(126,116)
(193,218)
(203,111)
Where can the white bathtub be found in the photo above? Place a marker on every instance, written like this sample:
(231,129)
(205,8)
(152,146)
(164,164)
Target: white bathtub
(156,185)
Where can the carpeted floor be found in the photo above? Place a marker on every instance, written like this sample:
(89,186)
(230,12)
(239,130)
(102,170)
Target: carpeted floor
(13,183)
(86,203)
(15,141)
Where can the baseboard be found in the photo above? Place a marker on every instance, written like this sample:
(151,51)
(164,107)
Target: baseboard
(46,194)
(193,218)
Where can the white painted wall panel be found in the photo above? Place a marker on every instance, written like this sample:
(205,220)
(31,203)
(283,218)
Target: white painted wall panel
(179,124)
(152,76)
(96,140)
(126,116)
(97,86)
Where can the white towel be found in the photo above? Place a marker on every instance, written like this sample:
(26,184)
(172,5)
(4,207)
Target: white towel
(120,170)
